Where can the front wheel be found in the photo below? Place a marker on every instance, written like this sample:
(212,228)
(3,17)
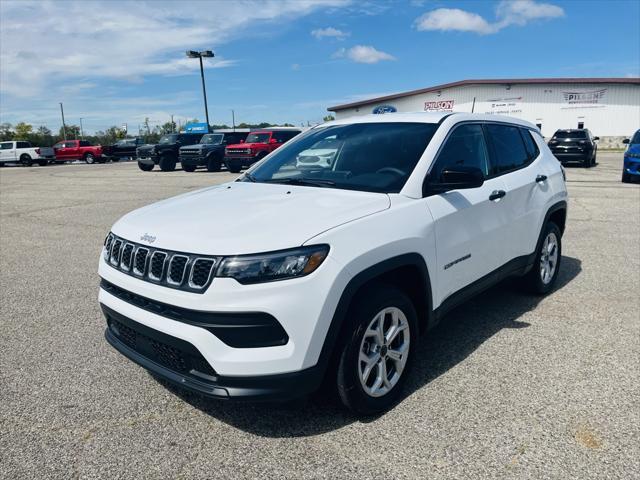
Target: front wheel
(542,277)
(145,167)
(26,160)
(626,178)
(42,163)
(375,361)
(188,168)
(214,164)
(234,167)
(167,163)
(90,158)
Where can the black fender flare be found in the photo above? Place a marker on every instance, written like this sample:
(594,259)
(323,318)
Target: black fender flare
(335,334)
(561,205)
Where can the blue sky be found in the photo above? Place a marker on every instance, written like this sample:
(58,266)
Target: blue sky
(114,62)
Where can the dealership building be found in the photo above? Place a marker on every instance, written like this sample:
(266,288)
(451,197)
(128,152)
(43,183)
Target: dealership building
(609,107)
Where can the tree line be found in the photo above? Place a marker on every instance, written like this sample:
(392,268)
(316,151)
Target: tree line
(44,137)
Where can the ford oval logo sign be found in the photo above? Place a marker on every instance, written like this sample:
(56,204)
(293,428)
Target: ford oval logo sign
(380,109)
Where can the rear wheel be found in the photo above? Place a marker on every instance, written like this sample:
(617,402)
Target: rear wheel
(542,277)
(188,168)
(374,363)
(26,160)
(167,163)
(89,158)
(234,167)
(145,167)
(42,163)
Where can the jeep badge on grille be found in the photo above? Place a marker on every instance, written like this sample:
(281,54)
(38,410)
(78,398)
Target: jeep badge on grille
(148,238)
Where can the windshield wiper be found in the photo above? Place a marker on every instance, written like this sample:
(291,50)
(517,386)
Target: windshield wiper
(311,182)
(250,177)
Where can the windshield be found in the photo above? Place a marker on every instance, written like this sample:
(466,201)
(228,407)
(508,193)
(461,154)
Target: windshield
(215,139)
(636,138)
(125,142)
(572,134)
(258,138)
(168,139)
(373,157)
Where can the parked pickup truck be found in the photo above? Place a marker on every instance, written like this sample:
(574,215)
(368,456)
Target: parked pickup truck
(258,145)
(210,151)
(125,148)
(165,153)
(24,153)
(78,150)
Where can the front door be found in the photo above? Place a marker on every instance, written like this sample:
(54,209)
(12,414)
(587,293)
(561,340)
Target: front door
(469,223)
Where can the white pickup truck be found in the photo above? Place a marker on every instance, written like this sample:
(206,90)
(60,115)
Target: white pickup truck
(23,152)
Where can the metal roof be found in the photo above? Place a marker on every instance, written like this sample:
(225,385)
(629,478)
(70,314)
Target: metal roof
(501,81)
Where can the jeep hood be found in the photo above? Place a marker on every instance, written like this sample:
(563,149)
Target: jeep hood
(246,145)
(239,217)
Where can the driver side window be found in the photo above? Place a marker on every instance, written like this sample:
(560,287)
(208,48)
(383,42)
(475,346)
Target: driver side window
(464,147)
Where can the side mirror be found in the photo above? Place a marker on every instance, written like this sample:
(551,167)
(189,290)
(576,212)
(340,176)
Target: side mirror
(455,178)
(596,138)
(625,141)
(241,141)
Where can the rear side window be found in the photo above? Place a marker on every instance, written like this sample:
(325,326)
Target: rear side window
(529,144)
(464,147)
(84,143)
(23,145)
(508,151)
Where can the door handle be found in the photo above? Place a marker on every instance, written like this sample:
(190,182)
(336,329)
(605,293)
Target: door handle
(497,194)
(541,178)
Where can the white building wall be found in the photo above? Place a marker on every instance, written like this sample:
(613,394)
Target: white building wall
(608,110)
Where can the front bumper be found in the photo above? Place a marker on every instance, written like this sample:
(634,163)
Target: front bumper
(180,363)
(572,156)
(193,160)
(631,165)
(148,160)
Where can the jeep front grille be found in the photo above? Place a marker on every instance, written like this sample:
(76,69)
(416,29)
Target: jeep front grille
(184,271)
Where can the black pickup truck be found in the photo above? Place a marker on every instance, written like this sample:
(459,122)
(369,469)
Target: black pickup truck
(210,151)
(165,152)
(125,148)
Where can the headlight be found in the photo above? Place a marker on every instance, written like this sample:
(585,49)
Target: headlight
(268,267)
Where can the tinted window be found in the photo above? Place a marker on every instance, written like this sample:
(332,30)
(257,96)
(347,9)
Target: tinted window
(6,146)
(168,139)
(84,143)
(374,157)
(23,145)
(70,145)
(529,144)
(464,147)
(508,151)
(212,139)
(283,136)
(258,137)
(570,134)
(636,138)
(233,138)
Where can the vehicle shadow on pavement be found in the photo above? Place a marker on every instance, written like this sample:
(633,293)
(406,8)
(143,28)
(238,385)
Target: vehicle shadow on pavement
(459,334)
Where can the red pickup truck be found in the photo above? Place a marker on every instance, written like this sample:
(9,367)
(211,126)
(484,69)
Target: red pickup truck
(78,150)
(258,145)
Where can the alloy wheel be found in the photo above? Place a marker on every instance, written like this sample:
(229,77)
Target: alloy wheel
(549,258)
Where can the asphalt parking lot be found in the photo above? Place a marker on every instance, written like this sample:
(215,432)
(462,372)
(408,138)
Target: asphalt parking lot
(509,386)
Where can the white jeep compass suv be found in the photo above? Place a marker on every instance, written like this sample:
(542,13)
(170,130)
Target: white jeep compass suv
(295,274)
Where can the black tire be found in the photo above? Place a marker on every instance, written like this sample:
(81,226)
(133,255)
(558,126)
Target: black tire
(533,280)
(188,168)
(626,178)
(167,163)
(115,159)
(26,160)
(42,163)
(362,312)
(145,167)
(234,167)
(214,164)
(89,158)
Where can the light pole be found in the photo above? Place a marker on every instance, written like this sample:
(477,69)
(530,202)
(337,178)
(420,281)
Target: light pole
(81,130)
(64,127)
(200,56)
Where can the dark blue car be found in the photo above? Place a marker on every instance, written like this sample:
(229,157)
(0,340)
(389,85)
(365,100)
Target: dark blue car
(631,166)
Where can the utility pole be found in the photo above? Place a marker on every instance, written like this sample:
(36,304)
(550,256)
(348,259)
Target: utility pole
(81,130)
(233,120)
(64,127)
(199,56)
(146,122)
(173,126)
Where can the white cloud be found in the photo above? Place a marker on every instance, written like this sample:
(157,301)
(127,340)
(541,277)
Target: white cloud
(453,19)
(41,47)
(508,12)
(363,54)
(329,32)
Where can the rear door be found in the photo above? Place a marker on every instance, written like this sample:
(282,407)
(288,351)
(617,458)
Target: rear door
(469,223)
(516,158)
(7,152)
